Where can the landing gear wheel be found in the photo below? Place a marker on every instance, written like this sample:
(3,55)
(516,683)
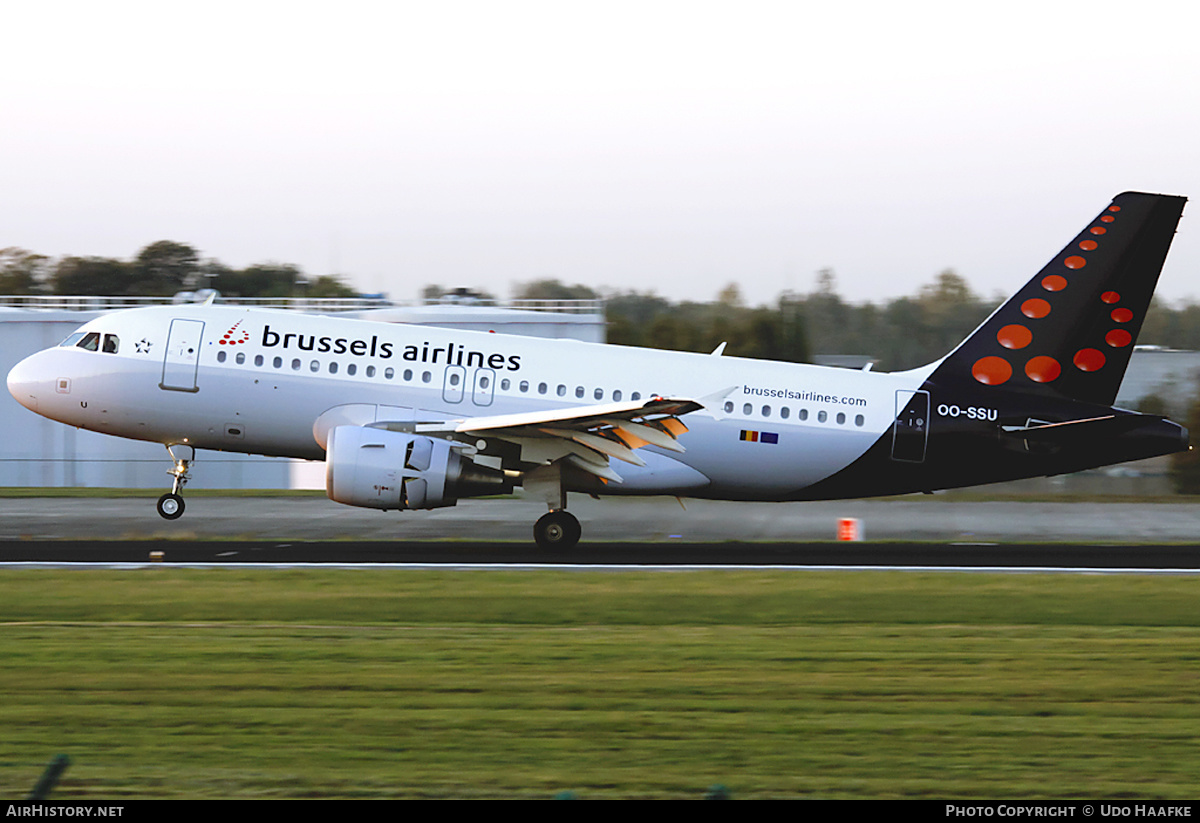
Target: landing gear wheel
(170,506)
(557,530)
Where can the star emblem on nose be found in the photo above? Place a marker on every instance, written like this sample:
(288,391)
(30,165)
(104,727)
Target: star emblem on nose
(142,346)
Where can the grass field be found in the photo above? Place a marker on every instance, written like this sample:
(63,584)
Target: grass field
(227,683)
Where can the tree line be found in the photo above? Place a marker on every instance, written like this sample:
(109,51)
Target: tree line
(160,269)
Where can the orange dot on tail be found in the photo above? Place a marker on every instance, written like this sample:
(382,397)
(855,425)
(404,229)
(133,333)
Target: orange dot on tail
(991,371)
(1035,308)
(1097,230)
(1014,337)
(1121,315)
(1089,359)
(1118,338)
(1108,218)
(1089,245)
(1110,297)
(1075,262)
(1054,282)
(1043,369)
(1114,208)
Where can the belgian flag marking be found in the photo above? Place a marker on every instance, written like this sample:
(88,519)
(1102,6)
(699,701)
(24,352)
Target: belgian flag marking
(760,437)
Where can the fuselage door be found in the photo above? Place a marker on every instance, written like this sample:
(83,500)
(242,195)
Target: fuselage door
(182,355)
(485,387)
(911,430)
(454,384)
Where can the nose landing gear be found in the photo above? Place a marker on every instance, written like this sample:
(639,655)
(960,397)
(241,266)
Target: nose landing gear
(170,505)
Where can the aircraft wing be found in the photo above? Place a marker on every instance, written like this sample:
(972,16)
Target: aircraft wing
(585,436)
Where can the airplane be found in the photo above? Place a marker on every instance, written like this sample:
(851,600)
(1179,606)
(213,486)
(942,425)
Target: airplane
(413,417)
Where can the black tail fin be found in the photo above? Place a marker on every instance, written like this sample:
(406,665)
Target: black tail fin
(1070,331)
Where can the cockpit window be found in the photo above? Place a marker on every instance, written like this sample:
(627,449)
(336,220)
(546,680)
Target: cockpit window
(91,341)
(111,343)
(72,340)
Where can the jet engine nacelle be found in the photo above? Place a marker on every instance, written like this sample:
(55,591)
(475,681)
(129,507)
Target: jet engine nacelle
(382,469)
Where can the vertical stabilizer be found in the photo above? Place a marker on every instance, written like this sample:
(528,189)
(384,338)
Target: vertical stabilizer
(1070,331)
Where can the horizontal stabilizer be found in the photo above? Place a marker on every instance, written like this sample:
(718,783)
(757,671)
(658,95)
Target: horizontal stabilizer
(1088,430)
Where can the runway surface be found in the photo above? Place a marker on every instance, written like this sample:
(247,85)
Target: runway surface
(908,532)
(917,519)
(678,555)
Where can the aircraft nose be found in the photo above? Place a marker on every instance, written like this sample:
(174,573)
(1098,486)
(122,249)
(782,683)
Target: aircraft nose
(22,383)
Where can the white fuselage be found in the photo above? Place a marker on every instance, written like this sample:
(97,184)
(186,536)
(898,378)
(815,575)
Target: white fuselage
(255,381)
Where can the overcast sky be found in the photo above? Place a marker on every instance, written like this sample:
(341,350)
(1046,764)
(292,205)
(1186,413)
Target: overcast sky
(660,146)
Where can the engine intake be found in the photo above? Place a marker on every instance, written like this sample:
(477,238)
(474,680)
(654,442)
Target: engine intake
(382,469)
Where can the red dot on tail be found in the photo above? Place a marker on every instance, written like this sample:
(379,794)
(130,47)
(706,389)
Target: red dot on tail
(1043,369)
(1089,359)
(991,371)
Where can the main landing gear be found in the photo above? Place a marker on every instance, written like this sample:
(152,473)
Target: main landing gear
(557,529)
(170,505)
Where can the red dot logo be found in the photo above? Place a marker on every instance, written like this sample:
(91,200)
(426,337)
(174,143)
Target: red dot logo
(1043,369)
(1121,315)
(1035,308)
(1110,297)
(1088,245)
(233,338)
(1089,360)
(991,371)
(1054,282)
(1014,337)
(1118,338)
(1075,262)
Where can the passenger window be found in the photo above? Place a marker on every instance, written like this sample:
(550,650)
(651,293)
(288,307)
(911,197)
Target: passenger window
(333,367)
(784,411)
(766,411)
(389,373)
(637,395)
(598,394)
(370,371)
(803,414)
(747,409)
(277,362)
(426,377)
(728,407)
(111,343)
(579,391)
(258,359)
(822,417)
(504,384)
(408,374)
(841,418)
(616,395)
(221,356)
(351,369)
(296,364)
(542,388)
(859,420)
(241,358)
